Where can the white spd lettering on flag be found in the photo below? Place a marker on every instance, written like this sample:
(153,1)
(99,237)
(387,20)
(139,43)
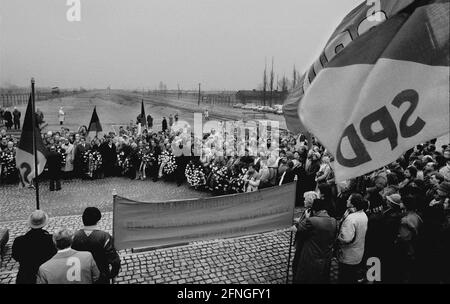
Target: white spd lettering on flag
(388,129)
(385,92)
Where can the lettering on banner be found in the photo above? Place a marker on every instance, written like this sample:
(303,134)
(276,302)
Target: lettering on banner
(387,129)
(374,17)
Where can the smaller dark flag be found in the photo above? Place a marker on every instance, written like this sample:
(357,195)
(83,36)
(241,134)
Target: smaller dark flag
(25,155)
(143,120)
(95,125)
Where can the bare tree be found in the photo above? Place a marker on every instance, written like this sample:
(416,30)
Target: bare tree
(294,79)
(271,84)
(264,82)
(284,84)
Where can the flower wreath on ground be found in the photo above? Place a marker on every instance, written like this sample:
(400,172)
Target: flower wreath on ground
(8,162)
(220,178)
(93,161)
(237,183)
(195,175)
(140,154)
(120,159)
(62,152)
(168,161)
(148,158)
(124,162)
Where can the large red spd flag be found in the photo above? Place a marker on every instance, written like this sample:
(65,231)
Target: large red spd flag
(386,89)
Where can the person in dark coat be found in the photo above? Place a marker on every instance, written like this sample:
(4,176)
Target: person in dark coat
(54,163)
(312,166)
(39,118)
(247,160)
(2,111)
(33,249)
(156,148)
(99,243)
(170,120)
(140,119)
(180,160)
(16,114)
(134,160)
(109,157)
(316,236)
(4,143)
(7,116)
(289,175)
(164,124)
(149,121)
(80,149)
(382,230)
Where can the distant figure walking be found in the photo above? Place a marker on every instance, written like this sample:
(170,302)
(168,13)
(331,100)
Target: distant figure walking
(140,119)
(2,112)
(170,120)
(9,119)
(149,121)
(61,116)
(164,124)
(39,117)
(16,114)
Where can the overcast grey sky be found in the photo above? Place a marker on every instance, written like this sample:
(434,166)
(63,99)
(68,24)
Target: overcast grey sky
(138,43)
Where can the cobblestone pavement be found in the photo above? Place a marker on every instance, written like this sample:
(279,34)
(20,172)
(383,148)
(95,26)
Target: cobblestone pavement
(252,259)
(17,203)
(258,259)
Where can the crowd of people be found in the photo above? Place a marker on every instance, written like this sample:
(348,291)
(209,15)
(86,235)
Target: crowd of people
(399,213)
(86,256)
(150,154)
(10,118)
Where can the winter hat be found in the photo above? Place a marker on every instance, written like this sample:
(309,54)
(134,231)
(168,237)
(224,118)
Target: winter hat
(395,199)
(37,219)
(445,187)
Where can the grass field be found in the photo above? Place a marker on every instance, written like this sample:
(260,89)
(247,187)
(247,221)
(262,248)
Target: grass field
(122,107)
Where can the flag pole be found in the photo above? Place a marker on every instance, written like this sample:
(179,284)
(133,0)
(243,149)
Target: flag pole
(33,122)
(289,258)
(290,243)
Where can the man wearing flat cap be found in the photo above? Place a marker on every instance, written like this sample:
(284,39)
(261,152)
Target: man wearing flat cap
(33,249)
